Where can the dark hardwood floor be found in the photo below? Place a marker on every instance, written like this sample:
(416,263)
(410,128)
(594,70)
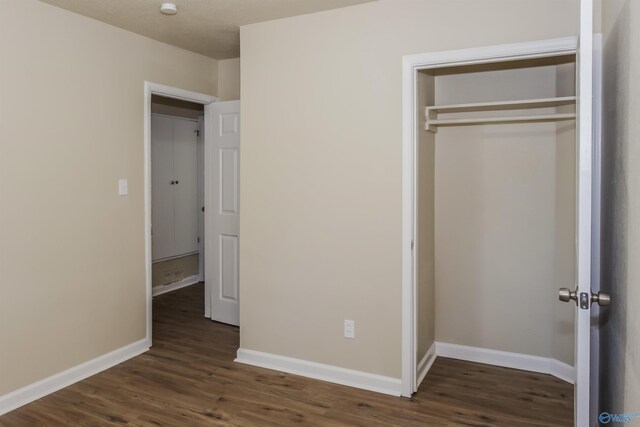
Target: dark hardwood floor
(189,378)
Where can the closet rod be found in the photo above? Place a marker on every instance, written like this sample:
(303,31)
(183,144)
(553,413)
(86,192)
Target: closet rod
(511,119)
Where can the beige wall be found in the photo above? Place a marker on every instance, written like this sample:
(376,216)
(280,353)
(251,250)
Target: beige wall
(71,124)
(229,79)
(321,166)
(504,224)
(564,268)
(620,331)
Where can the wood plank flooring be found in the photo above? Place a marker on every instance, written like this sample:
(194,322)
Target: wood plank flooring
(189,378)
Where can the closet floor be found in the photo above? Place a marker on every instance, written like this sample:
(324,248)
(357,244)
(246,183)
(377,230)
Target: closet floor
(189,378)
(468,393)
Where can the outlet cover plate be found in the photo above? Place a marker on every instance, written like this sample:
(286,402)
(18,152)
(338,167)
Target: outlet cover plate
(349,329)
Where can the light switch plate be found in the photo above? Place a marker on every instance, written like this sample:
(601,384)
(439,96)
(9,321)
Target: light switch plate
(123,187)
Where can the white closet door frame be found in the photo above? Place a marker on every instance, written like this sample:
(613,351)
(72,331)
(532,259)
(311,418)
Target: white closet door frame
(410,66)
(151,89)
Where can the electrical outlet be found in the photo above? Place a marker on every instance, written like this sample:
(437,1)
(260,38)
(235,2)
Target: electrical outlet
(349,329)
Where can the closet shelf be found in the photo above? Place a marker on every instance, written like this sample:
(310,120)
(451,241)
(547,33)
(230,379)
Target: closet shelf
(432,120)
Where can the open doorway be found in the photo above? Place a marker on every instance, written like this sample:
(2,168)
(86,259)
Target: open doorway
(171,264)
(192,153)
(177,194)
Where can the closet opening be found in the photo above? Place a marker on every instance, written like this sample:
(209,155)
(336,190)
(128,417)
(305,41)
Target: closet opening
(494,215)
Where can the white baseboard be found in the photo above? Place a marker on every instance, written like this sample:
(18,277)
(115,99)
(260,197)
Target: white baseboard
(425,364)
(27,394)
(562,371)
(319,371)
(187,281)
(506,359)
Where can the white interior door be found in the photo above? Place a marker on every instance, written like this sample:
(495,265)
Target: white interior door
(584,92)
(222,186)
(185,167)
(162,214)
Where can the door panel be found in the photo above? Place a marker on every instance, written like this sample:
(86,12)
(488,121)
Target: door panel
(162,213)
(584,92)
(185,152)
(222,202)
(229,268)
(229,174)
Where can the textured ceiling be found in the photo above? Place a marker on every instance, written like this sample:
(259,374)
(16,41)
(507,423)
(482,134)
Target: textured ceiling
(209,27)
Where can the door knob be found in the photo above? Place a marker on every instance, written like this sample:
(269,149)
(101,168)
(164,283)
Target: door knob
(602,298)
(566,295)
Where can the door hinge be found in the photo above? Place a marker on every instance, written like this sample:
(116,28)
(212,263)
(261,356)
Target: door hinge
(198,240)
(197,132)
(203,209)
(412,245)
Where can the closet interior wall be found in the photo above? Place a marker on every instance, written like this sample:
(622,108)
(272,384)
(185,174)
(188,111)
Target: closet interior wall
(496,213)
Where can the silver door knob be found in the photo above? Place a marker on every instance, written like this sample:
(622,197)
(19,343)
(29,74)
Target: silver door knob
(602,298)
(566,295)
